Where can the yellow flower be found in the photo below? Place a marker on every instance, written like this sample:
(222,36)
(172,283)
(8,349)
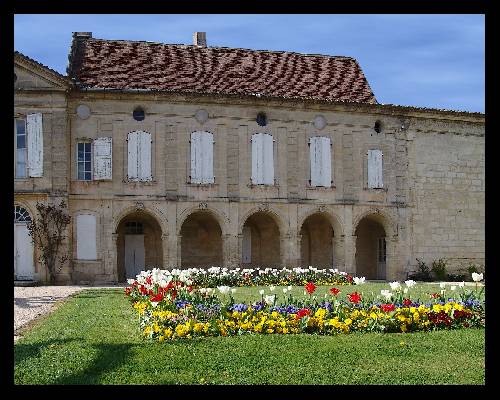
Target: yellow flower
(156,328)
(348,321)
(147,330)
(373,315)
(168,332)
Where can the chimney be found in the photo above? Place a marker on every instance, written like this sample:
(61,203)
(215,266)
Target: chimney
(200,39)
(82,35)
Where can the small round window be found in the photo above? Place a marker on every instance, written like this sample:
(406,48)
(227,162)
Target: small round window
(138,114)
(261,119)
(377,127)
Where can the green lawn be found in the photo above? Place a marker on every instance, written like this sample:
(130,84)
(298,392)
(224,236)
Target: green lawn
(93,338)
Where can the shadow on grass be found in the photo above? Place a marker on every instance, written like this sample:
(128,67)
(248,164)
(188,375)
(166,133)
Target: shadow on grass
(109,357)
(23,351)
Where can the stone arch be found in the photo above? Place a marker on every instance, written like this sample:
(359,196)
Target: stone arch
(273,213)
(221,218)
(335,221)
(160,218)
(381,217)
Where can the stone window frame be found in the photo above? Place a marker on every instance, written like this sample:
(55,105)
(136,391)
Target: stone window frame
(308,136)
(26,176)
(386,164)
(85,141)
(99,249)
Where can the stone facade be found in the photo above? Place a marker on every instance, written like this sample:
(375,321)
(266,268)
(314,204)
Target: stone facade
(431,205)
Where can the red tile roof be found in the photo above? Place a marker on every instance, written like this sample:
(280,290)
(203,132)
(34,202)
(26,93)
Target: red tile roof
(119,64)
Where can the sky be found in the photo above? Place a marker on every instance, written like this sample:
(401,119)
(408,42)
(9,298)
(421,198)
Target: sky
(435,61)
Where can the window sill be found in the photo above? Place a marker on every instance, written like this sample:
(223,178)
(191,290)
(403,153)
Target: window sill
(140,183)
(202,185)
(376,189)
(87,261)
(321,188)
(262,185)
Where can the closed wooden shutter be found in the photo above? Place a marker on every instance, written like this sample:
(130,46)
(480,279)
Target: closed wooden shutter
(144,156)
(86,240)
(207,149)
(132,163)
(196,157)
(34,129)
(257,159)
(103,158)
(375,169)
(326,162)
(315,159)
(268,156)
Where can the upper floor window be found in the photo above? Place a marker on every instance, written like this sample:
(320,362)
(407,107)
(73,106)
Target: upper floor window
(29,146)
(84,161)
(21,149)
(375,169)
(262,159)
(139,156)
(202,169)
(321,161)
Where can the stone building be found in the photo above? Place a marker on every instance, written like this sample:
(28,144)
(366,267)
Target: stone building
(190,155)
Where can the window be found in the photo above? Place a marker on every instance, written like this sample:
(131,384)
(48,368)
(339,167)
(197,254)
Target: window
(261,119)
(381,250)
(134,228)
(21,149)
(378,126)
(84,161)
(86,240)
(321,161)
(202,169)
(21,214)
(262,159)
(139,156)
(138,114)
(375,169)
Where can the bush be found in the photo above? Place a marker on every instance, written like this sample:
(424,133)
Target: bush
(423,273)
(455,277)
(439,269)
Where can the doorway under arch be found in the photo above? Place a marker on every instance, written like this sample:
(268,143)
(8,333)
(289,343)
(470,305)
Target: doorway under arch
(316,244)
(261,241)
(371,254)
(201,241)
(139,244)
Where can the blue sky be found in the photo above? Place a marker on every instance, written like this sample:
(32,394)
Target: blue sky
(435,61)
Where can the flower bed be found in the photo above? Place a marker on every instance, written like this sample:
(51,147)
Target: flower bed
(170,307)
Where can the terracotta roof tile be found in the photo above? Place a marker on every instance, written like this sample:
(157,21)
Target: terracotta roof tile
(118,64)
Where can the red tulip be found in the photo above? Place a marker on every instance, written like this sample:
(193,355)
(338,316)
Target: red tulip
(406,302)
(302,313)
(334,291)
(310,287)
(354,297)
(387,307)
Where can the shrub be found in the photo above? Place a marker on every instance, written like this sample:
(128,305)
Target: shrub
(423,273)
(439,269)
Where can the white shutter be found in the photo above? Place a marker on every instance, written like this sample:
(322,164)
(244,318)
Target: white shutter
(144,156)
(326,162)
(103,158)
(268,158)
(207,149)
(34,130)
(375,174)
(86,246)
(257,158)
(196,157)
(246,250)
(315,156)
(133,170)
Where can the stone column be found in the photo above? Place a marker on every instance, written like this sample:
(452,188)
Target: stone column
(165,252)
(179,251)
(339,256)
(392,272)
(226,251)
(239,248)
(350,254)
(173,248)
(114,253)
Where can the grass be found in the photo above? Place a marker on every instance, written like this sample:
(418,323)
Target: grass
(93,338)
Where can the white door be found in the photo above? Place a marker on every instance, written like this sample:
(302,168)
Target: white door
(24,268)
(134,255)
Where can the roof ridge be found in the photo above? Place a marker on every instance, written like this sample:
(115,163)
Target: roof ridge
(187,46)
(40,64)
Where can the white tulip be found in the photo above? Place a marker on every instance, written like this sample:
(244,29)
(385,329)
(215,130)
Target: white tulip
(385,293)
(223,289)
(261,292)
(453,287)
(285,290)
(130,281)
(477,277)
(271,288)
(405,290)
(443,291)
(461,284)
(359,281)
(154,303)
(233,290)
(442,285)
(269,299)
(394,285)
(410,283)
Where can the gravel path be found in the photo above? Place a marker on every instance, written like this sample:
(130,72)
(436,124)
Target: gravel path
(33,302)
